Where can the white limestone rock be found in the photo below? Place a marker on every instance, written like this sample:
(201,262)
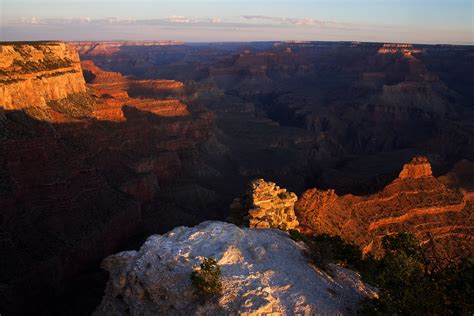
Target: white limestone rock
(263,272)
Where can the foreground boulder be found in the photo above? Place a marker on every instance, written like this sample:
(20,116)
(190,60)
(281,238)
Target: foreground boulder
(263,271)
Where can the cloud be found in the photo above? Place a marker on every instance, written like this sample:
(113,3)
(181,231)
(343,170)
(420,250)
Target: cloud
(175,19)
(192,20)
(194,28)
(304,22)
(245,21)
(284,20)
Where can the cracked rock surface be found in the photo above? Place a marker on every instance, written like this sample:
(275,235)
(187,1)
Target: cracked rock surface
(263,272)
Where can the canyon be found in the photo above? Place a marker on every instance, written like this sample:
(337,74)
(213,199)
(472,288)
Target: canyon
(437,213)
(349,114)
(116,158)
(105,143)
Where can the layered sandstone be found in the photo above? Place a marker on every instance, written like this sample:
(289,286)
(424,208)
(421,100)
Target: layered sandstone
(73,189)
(164,130)
(113,90)
(439,215)
(36,74)
(263,273)
(110,47)
(266,205)
(419,167)
(109,84)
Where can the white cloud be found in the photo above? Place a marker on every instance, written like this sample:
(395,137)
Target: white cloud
(175,19)
(308,22)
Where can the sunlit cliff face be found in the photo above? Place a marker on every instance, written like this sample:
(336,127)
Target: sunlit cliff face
(79,160)
(34,74)
(416,202)
(94,159)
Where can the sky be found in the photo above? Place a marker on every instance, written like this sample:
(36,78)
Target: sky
(411,21)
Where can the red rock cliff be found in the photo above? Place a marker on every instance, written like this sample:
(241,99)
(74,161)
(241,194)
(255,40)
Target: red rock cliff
(32,75)
(440,215)
(73,189)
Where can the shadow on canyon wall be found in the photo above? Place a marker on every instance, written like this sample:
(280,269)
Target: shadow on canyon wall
(72,193)
(325,115)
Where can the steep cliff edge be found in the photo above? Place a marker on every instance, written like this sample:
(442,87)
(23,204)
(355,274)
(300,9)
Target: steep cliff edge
(40,75)
(263,273)
(75,181)
(439,214)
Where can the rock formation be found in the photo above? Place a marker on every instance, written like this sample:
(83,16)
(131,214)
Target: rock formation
(113,90)
(439,215)
(263,273)
(406,49)
(39,76)
(266,205)
(340,97)
(75,181)
(110,47)
(81,173)
(418,167)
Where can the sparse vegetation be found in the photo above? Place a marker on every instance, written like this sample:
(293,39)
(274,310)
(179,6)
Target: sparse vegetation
(42,65)
(409,286)
(57,73)
(10,81)
(325,249)
(76,105)
(207,279)
(407,282)
(38,113)
(296,235)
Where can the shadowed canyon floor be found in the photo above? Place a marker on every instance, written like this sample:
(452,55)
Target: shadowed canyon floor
(137,138)
(117,159)
(346,115)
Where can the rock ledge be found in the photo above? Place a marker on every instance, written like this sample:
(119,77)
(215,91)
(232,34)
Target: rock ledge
(263,272)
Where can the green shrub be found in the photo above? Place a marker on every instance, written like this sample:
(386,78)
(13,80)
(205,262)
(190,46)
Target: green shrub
(207,279)
(408,285)
(295,235)
(75,105)
(325,249)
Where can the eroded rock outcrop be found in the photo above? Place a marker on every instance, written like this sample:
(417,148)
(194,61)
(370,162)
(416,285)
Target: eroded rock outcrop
(40,75)
(263,273)
(266,205)
(440,215)
(73,187)
(418,167)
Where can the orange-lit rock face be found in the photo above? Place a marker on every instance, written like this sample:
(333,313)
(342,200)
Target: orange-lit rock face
(417,202)
(112,110)
(31,75)
(96,75)
(112,92)
(406,49)
(73,189)
(419,167)
(265,205)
